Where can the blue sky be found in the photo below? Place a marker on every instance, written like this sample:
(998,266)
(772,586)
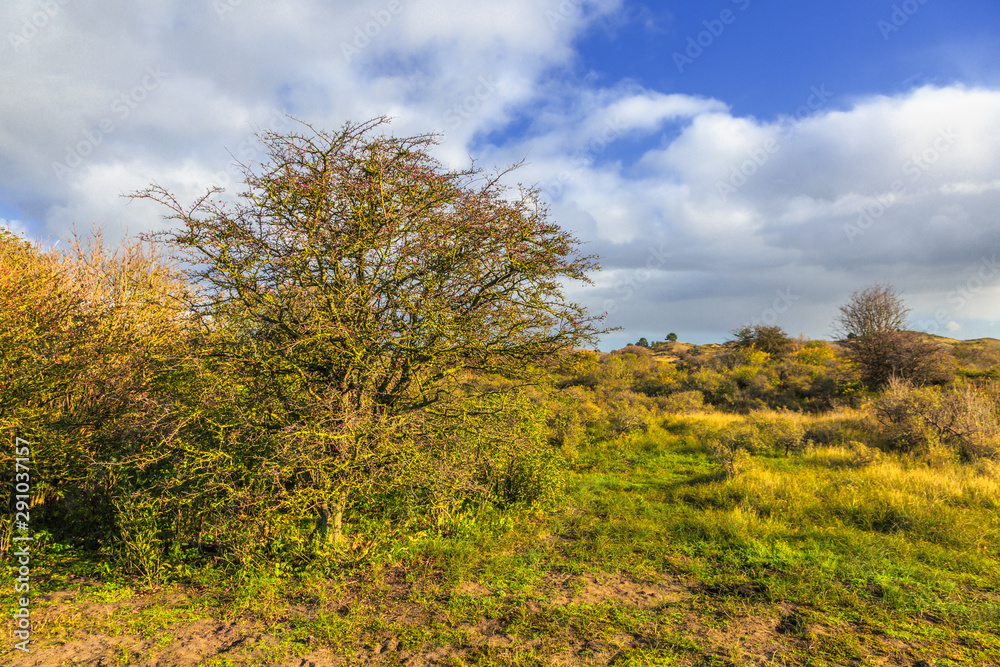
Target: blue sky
(732,162)
(763,57)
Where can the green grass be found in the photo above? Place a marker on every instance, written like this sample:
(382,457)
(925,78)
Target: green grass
(856,556)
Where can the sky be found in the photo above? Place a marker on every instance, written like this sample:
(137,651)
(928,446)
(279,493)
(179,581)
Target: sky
(731,162)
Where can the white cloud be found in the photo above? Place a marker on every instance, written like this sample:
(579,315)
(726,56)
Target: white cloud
(901,188)
(969,188)
(891,189)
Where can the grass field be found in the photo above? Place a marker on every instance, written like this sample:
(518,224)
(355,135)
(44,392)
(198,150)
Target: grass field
(836,555)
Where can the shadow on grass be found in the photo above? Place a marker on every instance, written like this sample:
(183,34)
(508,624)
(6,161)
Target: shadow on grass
(701,479)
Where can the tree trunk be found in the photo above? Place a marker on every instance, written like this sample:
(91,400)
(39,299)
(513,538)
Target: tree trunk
(329,530)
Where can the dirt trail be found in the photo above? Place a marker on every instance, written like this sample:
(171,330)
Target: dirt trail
(755,638)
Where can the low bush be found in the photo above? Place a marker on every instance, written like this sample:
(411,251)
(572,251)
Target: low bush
(902,411)
(884,355)
(963,418)
(782,431)
(536,478)
(731,449)
(768,339)
(683,402)
(969,420)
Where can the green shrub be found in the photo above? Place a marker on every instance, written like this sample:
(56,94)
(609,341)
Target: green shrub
(714,386)
(628,412)
(139,547)
(902,412)
(862,455)
(778,431)
(683,402)
(536,478)
(769,339)
(567,423)
(731,449)
(963,417)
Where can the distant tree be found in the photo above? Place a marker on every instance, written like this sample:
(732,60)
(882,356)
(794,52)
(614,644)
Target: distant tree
(643,342)
(770,339)
(672,337)
(873,323)
(359,283)
(876,309)
(906,355)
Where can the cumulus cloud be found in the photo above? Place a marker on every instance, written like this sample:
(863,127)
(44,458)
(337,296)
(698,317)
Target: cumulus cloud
(704,219)
(897,189)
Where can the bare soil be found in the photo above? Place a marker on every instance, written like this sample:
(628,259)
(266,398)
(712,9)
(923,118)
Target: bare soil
(764,635)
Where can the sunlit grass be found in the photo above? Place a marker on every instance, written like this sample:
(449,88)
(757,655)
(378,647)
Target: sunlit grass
(868,545)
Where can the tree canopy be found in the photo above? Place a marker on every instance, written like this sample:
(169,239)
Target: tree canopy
(358,279)
(875,309)
(766,338)
(873,324)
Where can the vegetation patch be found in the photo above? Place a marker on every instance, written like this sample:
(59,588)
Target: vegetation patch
(351,419)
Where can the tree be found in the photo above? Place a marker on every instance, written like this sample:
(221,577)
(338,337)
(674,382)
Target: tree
(672,337)
(643,342)
(872,323)
(876,309)
(770,339)
(357,283)
(906,355)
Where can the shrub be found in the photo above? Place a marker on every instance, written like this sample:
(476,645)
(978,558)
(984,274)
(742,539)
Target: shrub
(713,385)
(963,417)
(637,349)
(878,308)
(536,478)
(139,547)
(815,353)
(754,393)
(862,455)
(779,431)
(683,402)
(661,380)
(731,445)
(902,412)
(628,413)
(968,420)
(882,355)
(769,339)
(731,449)
(569,409)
